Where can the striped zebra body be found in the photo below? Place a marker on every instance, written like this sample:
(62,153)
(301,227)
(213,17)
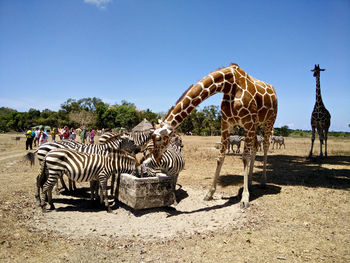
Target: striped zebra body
(82,167)
(235,140)
(171,163)
(279,140)
(121,142)
(259,141)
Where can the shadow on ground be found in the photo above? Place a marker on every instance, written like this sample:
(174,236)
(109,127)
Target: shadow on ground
(297,170)
(281,170)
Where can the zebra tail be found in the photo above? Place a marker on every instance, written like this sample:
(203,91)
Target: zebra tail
(30,157)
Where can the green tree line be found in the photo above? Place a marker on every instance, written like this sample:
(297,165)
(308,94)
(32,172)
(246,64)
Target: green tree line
(94,113)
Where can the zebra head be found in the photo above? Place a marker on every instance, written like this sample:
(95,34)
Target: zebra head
(127,144)
(161,139)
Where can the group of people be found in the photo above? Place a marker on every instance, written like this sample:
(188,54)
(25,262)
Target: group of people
(40,136)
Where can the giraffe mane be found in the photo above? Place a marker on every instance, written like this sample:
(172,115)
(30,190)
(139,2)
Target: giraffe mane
(166,116)
(182,96)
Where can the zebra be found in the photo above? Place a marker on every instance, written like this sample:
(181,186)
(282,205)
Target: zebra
(141,138)
(279,140)
(120,141)
(171,163)
(235,140)
(259,140)
(83,167)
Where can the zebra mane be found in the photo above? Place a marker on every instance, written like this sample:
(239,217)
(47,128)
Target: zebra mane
(113,137)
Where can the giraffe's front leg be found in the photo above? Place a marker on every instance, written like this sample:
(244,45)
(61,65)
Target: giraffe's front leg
(220,160)
(212,189)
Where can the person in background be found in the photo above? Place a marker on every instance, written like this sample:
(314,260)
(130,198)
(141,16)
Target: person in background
(83,134)
(66,133)
(72,134)
(92,136)
(36,137)
(53,134)
(29,141)
(43,137)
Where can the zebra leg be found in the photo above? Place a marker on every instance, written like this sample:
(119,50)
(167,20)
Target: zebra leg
(62,183)
(238,147)
(46,192)
(37,195)
(103,185)
(93,190)
(174,188)
(49,199)
(72,185)
(112,183)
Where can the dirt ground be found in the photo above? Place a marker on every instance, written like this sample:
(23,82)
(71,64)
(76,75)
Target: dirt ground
(303,215)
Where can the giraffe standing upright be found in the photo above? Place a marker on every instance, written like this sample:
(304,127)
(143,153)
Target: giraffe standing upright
(247,102)
(320,117)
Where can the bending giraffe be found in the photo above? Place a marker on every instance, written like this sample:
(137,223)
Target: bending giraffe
(247,102)
(320,117)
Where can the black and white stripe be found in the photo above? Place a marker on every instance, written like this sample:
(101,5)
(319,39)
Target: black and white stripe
(140,138)
(279,140)
(120,142)
(82,167)
(171,163)
(234,140)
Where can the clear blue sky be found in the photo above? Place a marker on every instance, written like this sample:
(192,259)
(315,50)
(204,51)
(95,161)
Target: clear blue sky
(148,52)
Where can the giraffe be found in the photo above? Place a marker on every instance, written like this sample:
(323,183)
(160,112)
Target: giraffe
(320,117)
(246,102)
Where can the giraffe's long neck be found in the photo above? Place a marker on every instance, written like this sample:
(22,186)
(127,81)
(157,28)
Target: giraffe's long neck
(318,92)
(218,81)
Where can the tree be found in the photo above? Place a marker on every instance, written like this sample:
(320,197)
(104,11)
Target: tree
(82,118)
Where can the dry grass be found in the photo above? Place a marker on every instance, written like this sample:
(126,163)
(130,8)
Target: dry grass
(302,216)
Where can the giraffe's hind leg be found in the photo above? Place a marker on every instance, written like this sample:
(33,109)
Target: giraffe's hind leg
(312,141)
(320,134)
(325,142)
(266,144)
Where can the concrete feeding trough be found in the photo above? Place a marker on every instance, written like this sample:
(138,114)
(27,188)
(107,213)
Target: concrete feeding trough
(146,192)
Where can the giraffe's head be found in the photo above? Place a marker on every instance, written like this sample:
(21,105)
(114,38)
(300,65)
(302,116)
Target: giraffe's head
(317,70)
(161,138)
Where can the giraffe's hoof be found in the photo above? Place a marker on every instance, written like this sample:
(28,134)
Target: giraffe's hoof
(244,204)
(208,197)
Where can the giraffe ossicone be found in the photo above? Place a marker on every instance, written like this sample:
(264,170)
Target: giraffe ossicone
(247,102)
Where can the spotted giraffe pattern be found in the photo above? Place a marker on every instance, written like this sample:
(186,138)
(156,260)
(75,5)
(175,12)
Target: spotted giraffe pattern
(246,102)
(320,117)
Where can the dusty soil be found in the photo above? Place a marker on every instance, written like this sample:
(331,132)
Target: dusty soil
(302,216)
